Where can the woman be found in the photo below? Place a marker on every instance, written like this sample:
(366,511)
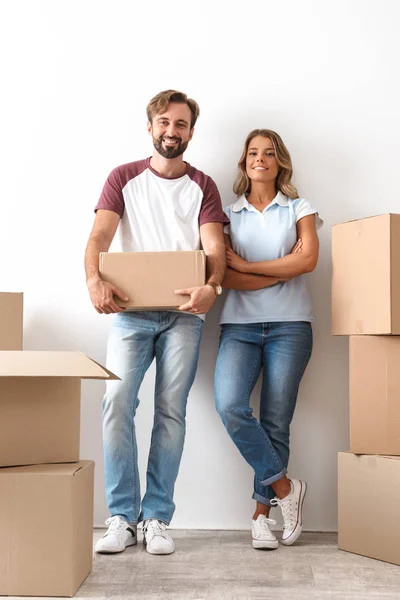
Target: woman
(266,325)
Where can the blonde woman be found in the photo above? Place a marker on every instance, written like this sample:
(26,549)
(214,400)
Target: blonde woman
(266,325)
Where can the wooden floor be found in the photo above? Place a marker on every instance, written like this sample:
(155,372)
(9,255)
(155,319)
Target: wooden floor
(223,565)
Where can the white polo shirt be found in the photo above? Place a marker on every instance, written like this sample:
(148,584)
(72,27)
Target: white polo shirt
(257,236)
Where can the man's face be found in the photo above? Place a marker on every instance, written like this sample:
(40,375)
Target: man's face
(171,130)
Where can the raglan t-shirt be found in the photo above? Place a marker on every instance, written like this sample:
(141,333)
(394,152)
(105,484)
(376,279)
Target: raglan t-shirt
(159,213)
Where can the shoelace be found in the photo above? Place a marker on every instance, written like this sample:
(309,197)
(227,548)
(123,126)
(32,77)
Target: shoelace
(154,527)
(286,506)
(116,525)
(263,524)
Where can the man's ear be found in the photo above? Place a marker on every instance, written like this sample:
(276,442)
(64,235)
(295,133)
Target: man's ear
(191,133)
(149,128)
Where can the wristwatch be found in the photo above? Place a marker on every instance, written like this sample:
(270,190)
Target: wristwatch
(216,287)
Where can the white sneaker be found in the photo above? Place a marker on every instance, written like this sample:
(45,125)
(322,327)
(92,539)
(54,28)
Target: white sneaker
(262,535)
(119,535)
(291,507)
(156,538)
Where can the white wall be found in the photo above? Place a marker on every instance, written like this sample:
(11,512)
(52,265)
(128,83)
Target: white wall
(76,77)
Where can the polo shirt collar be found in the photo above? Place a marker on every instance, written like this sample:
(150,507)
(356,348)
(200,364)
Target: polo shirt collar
(242,202)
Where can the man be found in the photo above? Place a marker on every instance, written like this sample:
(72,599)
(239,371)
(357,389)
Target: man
(160,204)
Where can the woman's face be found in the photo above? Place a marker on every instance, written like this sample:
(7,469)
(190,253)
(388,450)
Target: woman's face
(261,165)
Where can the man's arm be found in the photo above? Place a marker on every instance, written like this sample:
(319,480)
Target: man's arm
(212,241)
(289,266)
(202,297)
(245,281)
(101,292)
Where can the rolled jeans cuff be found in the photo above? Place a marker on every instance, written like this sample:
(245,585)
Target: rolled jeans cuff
(274,478)
(261,499)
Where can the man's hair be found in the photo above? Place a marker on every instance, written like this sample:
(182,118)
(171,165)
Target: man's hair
(159,104)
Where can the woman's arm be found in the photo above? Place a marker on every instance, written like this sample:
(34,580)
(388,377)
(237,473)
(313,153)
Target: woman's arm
(246,281)
(234,280)
(289,266)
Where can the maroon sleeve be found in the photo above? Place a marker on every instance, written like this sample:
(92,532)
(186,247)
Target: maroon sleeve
(111,197)
(211,207)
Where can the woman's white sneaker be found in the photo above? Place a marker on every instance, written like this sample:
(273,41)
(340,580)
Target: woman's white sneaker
(120,534)
(262,534)
(156,539)
(292,511)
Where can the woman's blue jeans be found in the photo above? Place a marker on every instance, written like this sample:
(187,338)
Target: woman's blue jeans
(281,351)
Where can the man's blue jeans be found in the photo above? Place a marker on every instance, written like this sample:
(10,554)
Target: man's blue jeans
(135,339)
(281,350)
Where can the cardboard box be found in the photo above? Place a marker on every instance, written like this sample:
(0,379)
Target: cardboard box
(366,276)
(150,278)
(46,524)
(375,394)
(369,485)
(11,317)
(40,395)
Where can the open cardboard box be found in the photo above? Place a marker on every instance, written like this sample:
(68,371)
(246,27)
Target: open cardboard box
(40,395)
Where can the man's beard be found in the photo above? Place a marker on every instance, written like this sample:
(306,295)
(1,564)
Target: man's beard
(170,151)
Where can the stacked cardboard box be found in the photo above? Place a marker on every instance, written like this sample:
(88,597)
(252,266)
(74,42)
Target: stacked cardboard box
(366,307)
(46,492)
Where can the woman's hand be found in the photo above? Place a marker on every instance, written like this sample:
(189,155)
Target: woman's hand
(234,261)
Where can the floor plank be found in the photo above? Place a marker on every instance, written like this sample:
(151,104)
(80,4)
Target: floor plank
(222,565)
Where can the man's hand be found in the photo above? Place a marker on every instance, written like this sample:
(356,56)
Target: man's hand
(201,299)
(234,261)
(102,296)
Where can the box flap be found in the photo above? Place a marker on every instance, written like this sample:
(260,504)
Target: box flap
(51,364)
(11,320)
(361,219)
(366,456)
(46,469)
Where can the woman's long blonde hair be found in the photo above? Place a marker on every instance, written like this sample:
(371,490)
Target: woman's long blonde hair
(242,184)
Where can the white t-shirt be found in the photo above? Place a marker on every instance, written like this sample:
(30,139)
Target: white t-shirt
(159,213)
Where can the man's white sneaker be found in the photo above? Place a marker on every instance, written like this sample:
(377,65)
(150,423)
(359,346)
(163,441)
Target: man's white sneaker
(156,538)
(262,535)
(119,535)
(292,511)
